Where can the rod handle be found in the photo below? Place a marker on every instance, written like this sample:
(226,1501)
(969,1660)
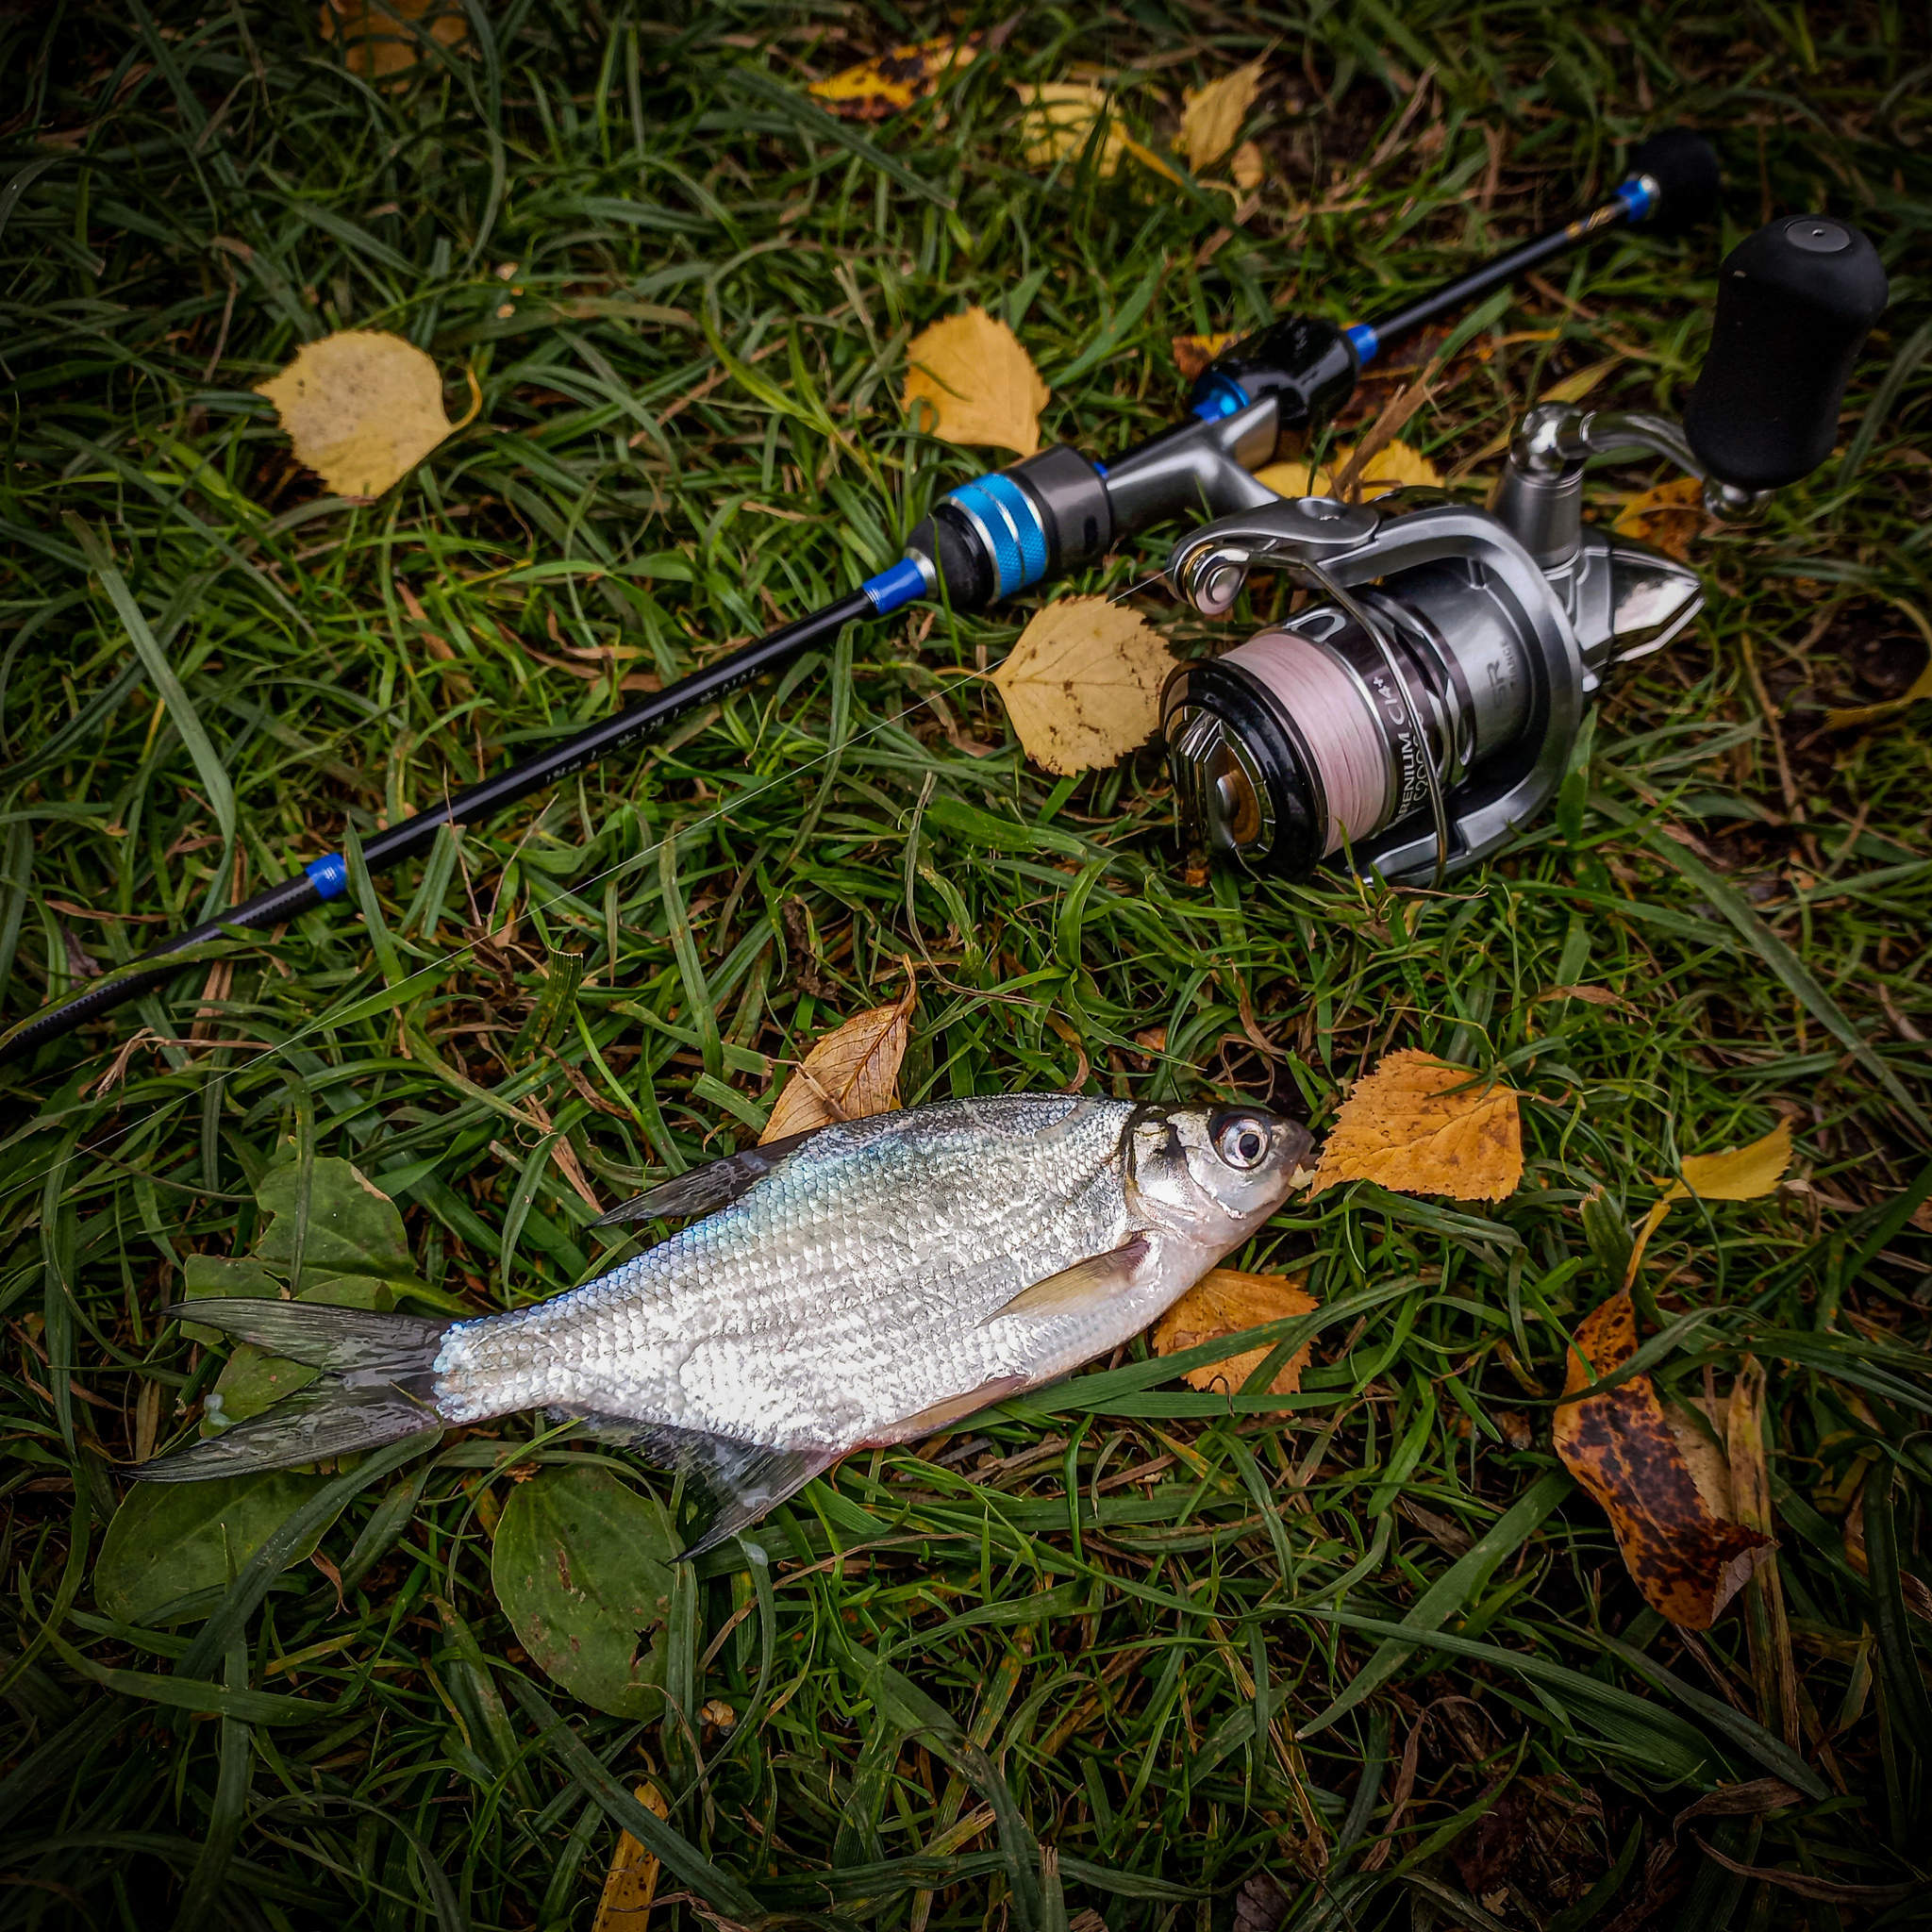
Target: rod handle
(1796,302)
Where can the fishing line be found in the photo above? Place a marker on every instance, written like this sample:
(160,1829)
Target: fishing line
(328,1021)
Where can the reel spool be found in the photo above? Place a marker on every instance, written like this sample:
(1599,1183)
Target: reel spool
(1417,713)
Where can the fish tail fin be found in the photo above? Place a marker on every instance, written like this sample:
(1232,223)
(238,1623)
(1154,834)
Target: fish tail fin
(378,1386)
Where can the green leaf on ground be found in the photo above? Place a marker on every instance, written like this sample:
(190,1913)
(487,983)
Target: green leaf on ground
(582,1568)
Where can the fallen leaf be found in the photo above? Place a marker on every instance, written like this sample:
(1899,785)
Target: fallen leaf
(980,383)
(1423,1126)
(1667,518)
(1083,684)
(376,42)
(1249,167)
(361,408)
(1211,116)
(850,1074)
(1223,1302)
(1738,1173)
(631,1884)
(889,85)
(1395,466)
(1686,1559)
(1058,121)
(1192,354)
(1296,479)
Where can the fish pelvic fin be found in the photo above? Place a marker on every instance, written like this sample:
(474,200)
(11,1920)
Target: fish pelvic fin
(377,1386)
(704,1190)
(728,1485)
(1096,1279)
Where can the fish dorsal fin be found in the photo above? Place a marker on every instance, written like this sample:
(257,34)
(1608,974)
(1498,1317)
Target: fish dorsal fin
(729,1484)
(1096,1279)
(704,1190)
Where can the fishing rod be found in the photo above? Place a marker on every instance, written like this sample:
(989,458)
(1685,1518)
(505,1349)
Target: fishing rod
(1004,532)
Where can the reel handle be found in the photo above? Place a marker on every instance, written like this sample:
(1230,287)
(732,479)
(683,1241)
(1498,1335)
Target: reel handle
(1796,302)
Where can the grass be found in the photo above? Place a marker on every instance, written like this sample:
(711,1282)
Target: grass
(1060,1666)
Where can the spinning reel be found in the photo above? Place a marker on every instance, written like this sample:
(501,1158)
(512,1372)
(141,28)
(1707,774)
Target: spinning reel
(1423,706)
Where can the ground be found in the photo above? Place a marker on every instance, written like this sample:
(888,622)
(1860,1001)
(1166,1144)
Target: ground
(1057,1663)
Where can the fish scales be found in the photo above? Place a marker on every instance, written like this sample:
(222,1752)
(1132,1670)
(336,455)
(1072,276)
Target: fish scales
(885,1253)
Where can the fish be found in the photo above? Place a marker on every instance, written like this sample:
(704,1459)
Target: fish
(866,1283)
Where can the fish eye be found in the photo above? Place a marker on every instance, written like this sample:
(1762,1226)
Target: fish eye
(1240,1140)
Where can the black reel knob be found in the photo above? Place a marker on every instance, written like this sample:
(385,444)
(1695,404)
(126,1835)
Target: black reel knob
(1794,305)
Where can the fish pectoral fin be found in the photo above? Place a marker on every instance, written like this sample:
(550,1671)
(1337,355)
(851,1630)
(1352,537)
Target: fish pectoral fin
(729,1484)
(704,1190)
(1096,1279)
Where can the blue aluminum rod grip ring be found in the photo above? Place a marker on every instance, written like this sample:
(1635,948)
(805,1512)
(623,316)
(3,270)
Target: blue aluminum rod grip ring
(1008,518)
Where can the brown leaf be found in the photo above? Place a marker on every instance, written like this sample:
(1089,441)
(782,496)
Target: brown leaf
(1211,116)
(631,1884)
(979,385)
(1192,354)
(1226,1301)
(1422,1126)
(1667,518)
(1083,684)
(849,1074)
(875,89)
(361,408)
(376,42)
(1688,1562)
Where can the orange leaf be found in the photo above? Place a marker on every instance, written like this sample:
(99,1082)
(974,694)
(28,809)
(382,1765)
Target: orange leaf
(1192,354)
(876,88)
(378,44)
(1225,1301)
(1423,1126)
(1688,1561)
(850,1074)
(1667,518)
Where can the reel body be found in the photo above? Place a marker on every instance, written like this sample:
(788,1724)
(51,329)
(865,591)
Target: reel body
(1423,707)
(1412,727)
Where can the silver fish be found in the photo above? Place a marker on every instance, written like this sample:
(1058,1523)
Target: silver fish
(865,1284)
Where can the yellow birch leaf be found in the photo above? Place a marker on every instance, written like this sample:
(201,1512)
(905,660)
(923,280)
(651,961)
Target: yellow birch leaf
(1422,1126)
(1686,1558)
(1211,116)
(1296,479)
(1223,1302)
(889,85)
(978,383)
(1249,167)
(361,408)
(849,1074)
(1148,158)
(1058,121)
(1738,1173)
(374,41)
(1083,684)
(1192,354)
(631,1884)
(1667,518)
(1395,466)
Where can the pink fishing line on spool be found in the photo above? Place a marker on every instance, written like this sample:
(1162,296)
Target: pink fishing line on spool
(1335,720)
